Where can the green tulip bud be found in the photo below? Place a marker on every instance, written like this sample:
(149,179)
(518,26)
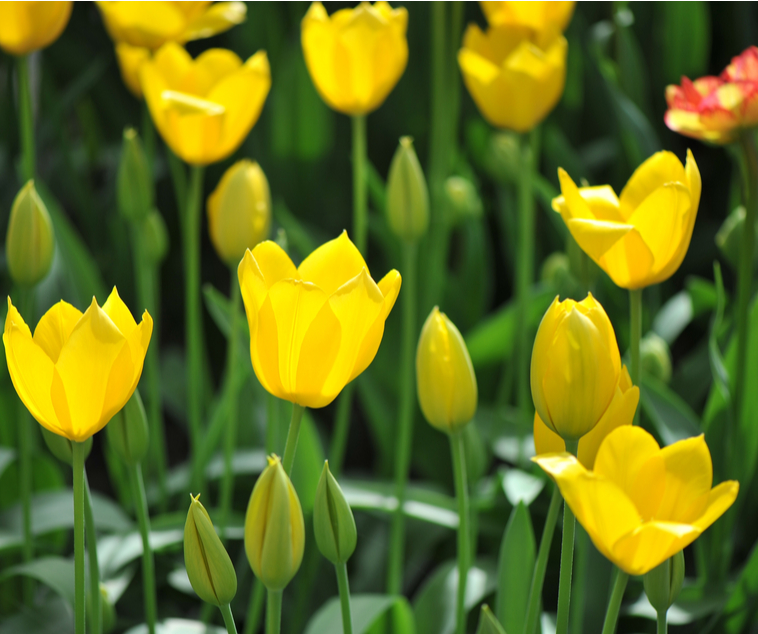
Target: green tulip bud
(488,624)
(128,433)
(30,243)
(462,198)
(60,446)
(503,158)
(154,236)
(209,567)
(663,583)
(333,522)
(556,270)
(729,237)
(134,187)
(281,239)
(407,195)
(655,357)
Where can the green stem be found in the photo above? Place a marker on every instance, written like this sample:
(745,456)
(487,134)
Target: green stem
(567,559)
(226,612)
(344,589)
(272,423)
(78,467)
(292,435)
(26,116)
(274,612)
(95,617)
(230,440)
(255,608)
(538,579)
(341,429)
(404,438)
(360,189)
(148,565)
(635,322)
(148,137)
(614,605)
(179,179)
(662,621)
(464,549)
(579,585)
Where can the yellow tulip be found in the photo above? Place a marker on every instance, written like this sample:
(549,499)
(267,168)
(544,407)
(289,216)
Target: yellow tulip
(30,26)
(356,56)
(152,24)
(314,328)
(575,367)
(537,16)
(204,108)
(445,378)
(239,211)
(642,504)
(78,369)
(620,412)
(514,78)
(130,59)
(641,237)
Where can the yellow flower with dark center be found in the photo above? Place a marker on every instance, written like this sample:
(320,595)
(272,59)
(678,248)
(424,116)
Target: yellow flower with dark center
(78,369)
(29,26)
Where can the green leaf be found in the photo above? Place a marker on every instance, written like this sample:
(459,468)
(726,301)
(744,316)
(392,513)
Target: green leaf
(55,572)
(691,605)
(367,609)
(51,616)
(515,569)
(115,551)
(309,461)
(219,307)
(685,30)
(674,420)
(7,456)
(742,604)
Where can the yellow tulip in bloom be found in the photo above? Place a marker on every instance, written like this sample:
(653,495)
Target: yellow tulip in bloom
(620,412)
(78,369)
(130,59)
(575,367)
(30,26)
(537,16)
(314,328)
(239,211)
(642,504)
(204,108)
(641,237)
(445,378)
(356,56)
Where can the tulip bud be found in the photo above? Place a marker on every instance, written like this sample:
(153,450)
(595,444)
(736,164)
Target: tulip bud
(462,198)
(663,583)
(556,270)
(239,211)
(209,568)
(503,156)
(445,377)
(729,236)
(60,446)
(488,624)
(281,239)
(333,522)
(274,528)
(30,243)
(407,195)
(655,357)
(127,431)
(134,186)
(154,237)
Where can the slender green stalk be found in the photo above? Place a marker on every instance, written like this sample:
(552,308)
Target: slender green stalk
(95,617)
(230,440)
(274,612)
(635,321)
(344,589)
(567,559)
(662,622)
(148,136)
(255,607)
(579,584)
(26,116)
(540,566)
(614,605)
(78,466)
(360,188)
(292,435)
(179,179)
(464,548)
(338,445)
(148,565)
(226,612)
(272,423)
(404,437)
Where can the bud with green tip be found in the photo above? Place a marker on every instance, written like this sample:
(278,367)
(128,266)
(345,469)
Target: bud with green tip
(60,446)
(655,357)
(488,624)
(154,237)
(333,522)
(134,187)
(128,433)
(503,157)
(30,243)
(663,583)
(407,194)
(462,198)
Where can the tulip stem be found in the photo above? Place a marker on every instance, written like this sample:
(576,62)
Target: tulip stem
(405,420)
(26,116)
(78,452)
(179,179)
(292,435)
(540,566)
(274,612)
(635,321)
(360,189)
(226,612)
(614,605)
(464,548)
(567,558)
(341,429)
(663,627)
(344,589)
(95,617)
(148,565)
(255,609)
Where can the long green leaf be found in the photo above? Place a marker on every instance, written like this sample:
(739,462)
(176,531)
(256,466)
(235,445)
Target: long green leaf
(515,569)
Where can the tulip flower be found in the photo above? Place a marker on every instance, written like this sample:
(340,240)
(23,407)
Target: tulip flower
(130,59)
(78,369)
(537,16)
(642,504)
(575,367)
(356,56)
(29,26)
(641,237)
(314,328)
(204,108)
(620,412)
(30,241)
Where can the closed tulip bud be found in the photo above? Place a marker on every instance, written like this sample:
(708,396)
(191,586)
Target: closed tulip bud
(274,528)
(209,568)
(729,236)
(556,270)
(462,198)
(154,237)
(128,433)
(445,376)
(30,243)
(30,26)
(333,521)
(664,582)
(503,158)
(488,623)
(655,357)
(60,447)
(575,367)
(239,211)
(134,186)
(407,194)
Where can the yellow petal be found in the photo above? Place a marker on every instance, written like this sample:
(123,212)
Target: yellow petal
(120,315)
(629,262)
(173,63)
(689,475)
(209,69)
(130,60)
(573,205)
(603,202)
(720,499)
(596,237)
(148,26)
(219,17)
(263,267)
(55,327)
(29,26)
(650,545)
(332,264)
(542,342)
(663,167)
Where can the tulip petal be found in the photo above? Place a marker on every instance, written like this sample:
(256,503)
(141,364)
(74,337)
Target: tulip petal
(54,328)
(542,343)
(130,60)
(629,261)
(29,26)
(573,205)
(130,22)
(172,62)
(219,17)
(596,237)
(208,69)
(120,315)
(650,545)
(661,168)
(720,499)
(689,475)
(333,264)
(619,413)
(603,202)
(547,441)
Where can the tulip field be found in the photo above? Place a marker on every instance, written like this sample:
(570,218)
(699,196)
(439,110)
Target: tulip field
(338,318)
